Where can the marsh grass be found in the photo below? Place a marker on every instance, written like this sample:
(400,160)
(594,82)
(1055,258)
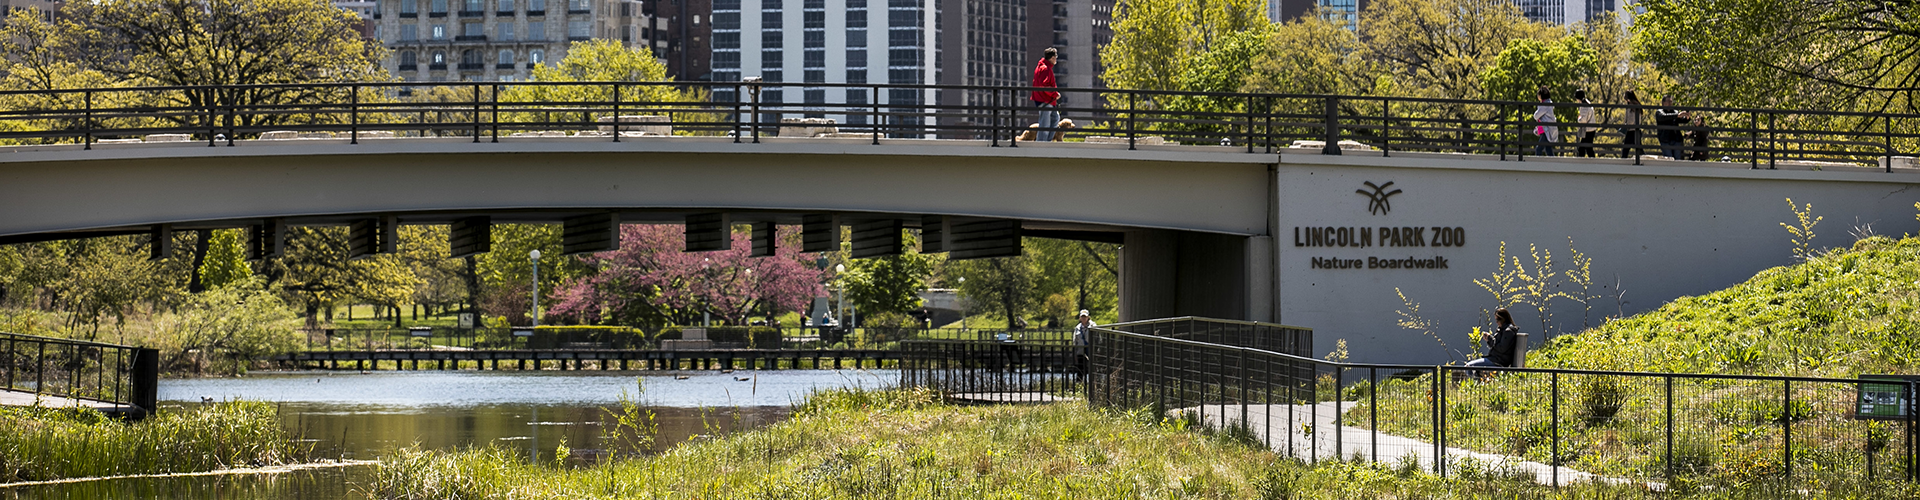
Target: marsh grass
(44,443)
(906,444)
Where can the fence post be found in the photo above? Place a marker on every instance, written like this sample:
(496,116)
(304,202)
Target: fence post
(476,120)
(1786,426)
(1373,413)
(353,116)
(876,114)
(616,111)
(1753,149)
(1386,128)
(1773,141)
(496,112)
(736,113)
(1441,460)
(1131,130)
(146,379)
(89,97)
(1243,391)
(1249,116)
(1669,429)
(213,120)
(1886,133)
(1556,429)
(1332,146)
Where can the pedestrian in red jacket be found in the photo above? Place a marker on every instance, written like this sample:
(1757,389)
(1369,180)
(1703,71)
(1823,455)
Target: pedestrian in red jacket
(1049,102)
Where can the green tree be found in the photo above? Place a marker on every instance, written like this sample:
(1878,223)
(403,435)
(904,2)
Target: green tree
(234,324)
(191,42)
(1529,65)
(1154,41)
(890,284)
(505,272)
(605,60)
(317,275)
(226,260)
(1832,54)
(1082,275)
(1440,48)
(1002,285)
(1315,54)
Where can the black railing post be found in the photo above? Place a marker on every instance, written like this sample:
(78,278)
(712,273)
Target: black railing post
(1773,141)
(1786,427)
(496,113)
(213,117)
(736,112)
(1669,429)
(146,379)
(876,114)
(616,111)
(40,370)
(1556,429)
(1386,128)
(1132,131)
(1373,413)
(993,117)
(1249,117)
(233,114)
(1753,141)
(88,97)
(353,116)
(1332,131)
(1013,119)
(1886,133)
(1441,459)
(475,116)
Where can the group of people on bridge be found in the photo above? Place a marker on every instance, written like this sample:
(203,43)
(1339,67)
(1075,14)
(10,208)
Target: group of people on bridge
(1674,140)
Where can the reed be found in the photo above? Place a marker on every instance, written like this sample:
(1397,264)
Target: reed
(856,443)
(45,443)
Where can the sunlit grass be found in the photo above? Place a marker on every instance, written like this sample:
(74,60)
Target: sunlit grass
(41,443)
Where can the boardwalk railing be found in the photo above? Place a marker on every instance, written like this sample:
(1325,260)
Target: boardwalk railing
(578,338)
(1559,426)
(992,370)
(122,377)
(749,111)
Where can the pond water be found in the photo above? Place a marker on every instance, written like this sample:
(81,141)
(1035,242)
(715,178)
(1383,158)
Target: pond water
(361,416)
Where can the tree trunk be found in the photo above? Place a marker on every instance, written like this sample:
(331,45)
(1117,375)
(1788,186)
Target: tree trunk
(194,285)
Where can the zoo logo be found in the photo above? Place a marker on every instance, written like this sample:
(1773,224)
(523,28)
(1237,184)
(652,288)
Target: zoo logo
(1377,199)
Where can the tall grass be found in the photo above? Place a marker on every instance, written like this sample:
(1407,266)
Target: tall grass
(43,443)
(854,443)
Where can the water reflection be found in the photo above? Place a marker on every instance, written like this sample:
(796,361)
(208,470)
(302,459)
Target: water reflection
(351,415)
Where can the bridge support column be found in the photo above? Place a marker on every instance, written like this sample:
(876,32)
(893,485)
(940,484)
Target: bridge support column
(1165,274)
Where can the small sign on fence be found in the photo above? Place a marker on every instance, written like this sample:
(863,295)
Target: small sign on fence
(523,332)
(466,321)
(1885,400)
(420,331)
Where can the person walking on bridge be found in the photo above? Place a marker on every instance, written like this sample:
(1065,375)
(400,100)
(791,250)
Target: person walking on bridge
(1048,101)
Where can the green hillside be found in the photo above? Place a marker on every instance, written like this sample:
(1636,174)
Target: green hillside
(1847,312)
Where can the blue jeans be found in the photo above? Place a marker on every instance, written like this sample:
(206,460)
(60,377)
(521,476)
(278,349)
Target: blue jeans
(1049,118)
(1544,148)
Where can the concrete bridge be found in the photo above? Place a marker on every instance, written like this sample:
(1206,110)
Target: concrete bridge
(1270,233)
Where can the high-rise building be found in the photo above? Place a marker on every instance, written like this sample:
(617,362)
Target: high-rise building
(1281,11)
(685,29)
(1548,11)
(1079,29)
(481,40)
(796,42)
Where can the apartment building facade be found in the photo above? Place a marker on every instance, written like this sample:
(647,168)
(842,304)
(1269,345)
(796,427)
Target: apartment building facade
(500,40)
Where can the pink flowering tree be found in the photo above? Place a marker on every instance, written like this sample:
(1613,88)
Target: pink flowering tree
(649,280)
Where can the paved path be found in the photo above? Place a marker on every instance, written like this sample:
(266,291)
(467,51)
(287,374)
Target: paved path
(1314,435)
(17,398)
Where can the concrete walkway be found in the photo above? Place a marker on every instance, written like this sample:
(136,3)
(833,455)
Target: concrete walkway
(1308,432)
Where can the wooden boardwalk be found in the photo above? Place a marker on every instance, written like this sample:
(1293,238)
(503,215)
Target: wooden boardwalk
(18,398)
(589,359)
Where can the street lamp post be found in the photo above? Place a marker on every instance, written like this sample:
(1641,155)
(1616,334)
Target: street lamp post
(964,310)
(840,293)
(535,255)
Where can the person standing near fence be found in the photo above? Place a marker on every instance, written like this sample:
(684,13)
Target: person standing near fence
(1082,329)
(1049,102)
(1669,121)
(1545,131)
(1501,342)
(1587,129)
(1630,134)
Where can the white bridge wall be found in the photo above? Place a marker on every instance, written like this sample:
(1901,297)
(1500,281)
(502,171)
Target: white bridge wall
(1662,231)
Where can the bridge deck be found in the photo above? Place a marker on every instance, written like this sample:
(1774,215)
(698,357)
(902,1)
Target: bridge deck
(19,398)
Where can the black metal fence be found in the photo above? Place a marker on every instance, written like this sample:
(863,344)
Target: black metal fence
(572,338)
(994,371)
(747,112)
(1558,426)
(121,379)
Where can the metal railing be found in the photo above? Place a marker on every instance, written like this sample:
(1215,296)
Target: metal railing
(749,111)
(996,371)
(125,379)
(565,338)
(1558,426)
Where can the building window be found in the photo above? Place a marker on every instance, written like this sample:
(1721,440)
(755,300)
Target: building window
(577,6)
(536,7)
(898,18)
(409,7)
(856,19)
(505,6)
(726,21)
(472,29)
(469,57)
(771,19)
(439,60)
(813,38)
(815,76)
(408,60)
(579,28)
(857,37)
(696,22)
(856,58)
(813,19)
(726,40)
(504,32)
(726,60)
(856,76)
(772,59)
(772,39)
(409,32)
(439,7)
(439,32)
(506,57)
(537,30)
(470,6)
(814,58)
(536,57)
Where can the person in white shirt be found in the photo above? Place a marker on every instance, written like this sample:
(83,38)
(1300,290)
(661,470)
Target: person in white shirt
(1587,130)
(1081,330)
(1545,131)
